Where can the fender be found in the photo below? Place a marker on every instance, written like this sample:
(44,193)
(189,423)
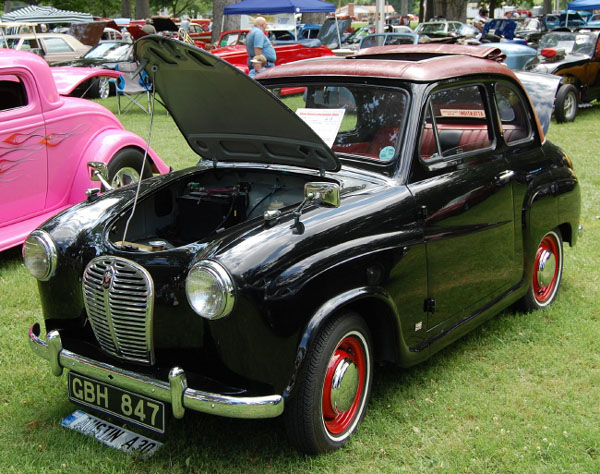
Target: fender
(332,307)
(102,148)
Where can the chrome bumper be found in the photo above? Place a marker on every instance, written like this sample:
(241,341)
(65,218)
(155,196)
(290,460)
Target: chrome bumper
(175,392)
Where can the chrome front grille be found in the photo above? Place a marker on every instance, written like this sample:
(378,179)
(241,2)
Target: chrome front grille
(119,300)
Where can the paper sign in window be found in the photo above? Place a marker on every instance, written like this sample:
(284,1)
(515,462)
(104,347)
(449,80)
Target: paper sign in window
(325,122)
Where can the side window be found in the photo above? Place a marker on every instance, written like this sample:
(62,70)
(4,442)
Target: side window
(12,92)
(456,121)
(57,45)
(513,114)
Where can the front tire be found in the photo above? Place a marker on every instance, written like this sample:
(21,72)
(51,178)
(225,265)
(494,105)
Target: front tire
(334,386)
(566,103)
(125,168)
(547,272)
(100,88)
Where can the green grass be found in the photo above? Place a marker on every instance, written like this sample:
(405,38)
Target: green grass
(520,394)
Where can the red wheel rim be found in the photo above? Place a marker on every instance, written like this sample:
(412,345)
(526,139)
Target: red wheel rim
(548,249)
(349,350)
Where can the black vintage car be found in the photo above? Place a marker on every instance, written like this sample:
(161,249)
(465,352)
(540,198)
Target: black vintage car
(575,56)
(273,276)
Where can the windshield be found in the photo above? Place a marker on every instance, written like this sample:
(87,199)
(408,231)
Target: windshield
(363,121)
(110,52)
(529,24)
(571,43)
(431,28)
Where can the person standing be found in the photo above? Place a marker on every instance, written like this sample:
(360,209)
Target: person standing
(480,20)
(185,23)
(257,43)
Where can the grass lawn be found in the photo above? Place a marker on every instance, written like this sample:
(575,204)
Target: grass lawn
(520,394)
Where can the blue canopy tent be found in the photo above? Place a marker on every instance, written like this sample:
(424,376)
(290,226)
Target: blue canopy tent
(584,5)
(249,7)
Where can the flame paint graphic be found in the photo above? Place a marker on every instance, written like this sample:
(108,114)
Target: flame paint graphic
(26,144)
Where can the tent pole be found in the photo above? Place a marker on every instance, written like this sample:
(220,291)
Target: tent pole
(337,27)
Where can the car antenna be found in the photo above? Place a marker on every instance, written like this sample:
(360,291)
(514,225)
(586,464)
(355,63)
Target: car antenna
(153,70)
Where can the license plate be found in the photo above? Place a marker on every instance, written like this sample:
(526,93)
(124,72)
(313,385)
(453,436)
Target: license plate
(111,435)
(128,406)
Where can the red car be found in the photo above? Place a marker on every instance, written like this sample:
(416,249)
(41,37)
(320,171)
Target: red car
(232,48)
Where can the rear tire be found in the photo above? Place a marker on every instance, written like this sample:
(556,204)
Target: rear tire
(125,168)
(547,273)
(333,389)
(566,103)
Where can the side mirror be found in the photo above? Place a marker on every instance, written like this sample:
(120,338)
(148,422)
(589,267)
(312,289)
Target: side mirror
(99,172)
(322,194)
(318,194)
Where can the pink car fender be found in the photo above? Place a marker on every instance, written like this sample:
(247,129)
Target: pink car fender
(103,148)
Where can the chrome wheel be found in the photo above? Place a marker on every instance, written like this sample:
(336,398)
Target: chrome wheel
(125,176)
(103,87)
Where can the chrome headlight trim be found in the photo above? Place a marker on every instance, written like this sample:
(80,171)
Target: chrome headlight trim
(40,239)
(210,305)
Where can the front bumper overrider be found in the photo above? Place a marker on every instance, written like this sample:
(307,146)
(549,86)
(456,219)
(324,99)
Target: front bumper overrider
(175,391)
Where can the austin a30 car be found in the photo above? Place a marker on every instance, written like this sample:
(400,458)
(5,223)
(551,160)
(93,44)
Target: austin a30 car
(352,212)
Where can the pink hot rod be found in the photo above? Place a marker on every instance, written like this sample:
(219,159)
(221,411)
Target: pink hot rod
(46,140)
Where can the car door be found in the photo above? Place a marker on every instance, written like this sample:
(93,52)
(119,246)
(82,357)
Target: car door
(460,181)
(23,159)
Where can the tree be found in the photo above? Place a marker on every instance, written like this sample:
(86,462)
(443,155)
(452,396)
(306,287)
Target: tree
(126,8)
(142,9)
(230,22)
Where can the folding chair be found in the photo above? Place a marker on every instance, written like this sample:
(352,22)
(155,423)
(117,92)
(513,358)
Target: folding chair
(131,86)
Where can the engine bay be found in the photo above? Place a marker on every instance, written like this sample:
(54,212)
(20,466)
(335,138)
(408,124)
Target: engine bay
(204,203)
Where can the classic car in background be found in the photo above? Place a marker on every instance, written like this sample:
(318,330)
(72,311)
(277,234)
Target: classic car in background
(235,50)
(531,30)
(46,140)
(575,56)
(386,39)
(106,55)
(273,276)
(53,47)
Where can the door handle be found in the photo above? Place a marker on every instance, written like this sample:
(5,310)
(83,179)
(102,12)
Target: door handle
(504,177)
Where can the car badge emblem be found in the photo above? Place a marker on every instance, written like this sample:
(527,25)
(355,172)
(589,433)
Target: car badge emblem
(107,278)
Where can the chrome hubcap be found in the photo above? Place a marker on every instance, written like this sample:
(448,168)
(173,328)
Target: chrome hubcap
(125,176)
(546,268)
(104,88)
(344,385)
(570,105)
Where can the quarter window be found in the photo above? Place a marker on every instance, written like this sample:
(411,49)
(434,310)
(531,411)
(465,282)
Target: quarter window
(456,121)
(513,116)
(12,92)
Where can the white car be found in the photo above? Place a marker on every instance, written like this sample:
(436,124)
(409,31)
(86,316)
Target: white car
(53,47)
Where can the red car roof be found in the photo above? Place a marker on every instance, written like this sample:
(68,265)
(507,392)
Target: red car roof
(419,63)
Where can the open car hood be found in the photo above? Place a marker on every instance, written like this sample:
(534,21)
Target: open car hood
(226,115)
